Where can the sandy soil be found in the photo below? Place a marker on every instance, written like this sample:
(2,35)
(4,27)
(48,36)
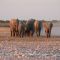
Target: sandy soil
(28,48)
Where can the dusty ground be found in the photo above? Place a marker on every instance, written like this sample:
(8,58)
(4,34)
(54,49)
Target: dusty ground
(28,48)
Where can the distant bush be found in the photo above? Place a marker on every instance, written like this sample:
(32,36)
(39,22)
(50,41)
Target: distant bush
(4,23)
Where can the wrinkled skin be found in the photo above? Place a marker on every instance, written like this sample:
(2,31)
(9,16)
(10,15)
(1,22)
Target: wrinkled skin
(37,27)
(48,28)
(14,27)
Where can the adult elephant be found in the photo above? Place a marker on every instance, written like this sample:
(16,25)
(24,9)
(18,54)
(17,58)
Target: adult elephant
(37,27)
(21,28)
(29,31)
(14,27)
(48,27)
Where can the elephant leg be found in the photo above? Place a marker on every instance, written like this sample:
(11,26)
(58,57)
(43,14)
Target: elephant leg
(20,33)
(27,33)
(17,33)
(11,33)
(30,33)
(39,32)
(36,33)
(23,33)
(14,34)
(49,33)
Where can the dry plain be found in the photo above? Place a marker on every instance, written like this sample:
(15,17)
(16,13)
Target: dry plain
(28,48)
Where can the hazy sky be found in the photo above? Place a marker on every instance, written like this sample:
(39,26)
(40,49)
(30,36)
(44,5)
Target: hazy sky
(25,9)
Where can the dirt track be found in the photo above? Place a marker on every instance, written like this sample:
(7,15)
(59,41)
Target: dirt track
(28,48)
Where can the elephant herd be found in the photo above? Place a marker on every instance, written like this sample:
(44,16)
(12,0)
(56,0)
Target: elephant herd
(29,28)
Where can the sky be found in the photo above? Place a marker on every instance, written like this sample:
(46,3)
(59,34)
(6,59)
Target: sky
(26,9)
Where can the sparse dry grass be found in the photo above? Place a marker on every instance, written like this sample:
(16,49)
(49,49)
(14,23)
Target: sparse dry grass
(28,48)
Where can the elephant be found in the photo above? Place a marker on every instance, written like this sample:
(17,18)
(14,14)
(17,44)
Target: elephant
(21,28)
(14,27)
(48,28)
(29,31)
(37,27)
